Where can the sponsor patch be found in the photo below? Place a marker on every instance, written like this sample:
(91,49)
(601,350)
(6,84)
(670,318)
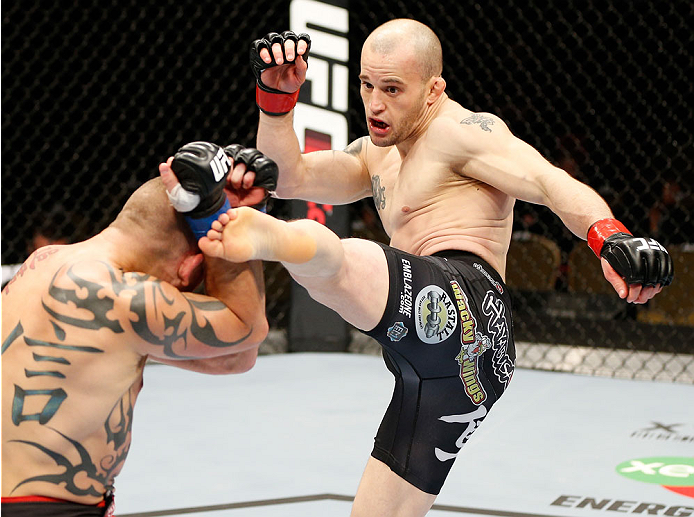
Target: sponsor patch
(496,284)
(473,344)
(497,328)
(435,315)
(406,294)
(397,331)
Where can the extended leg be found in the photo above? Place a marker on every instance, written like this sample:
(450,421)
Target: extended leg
(349,276)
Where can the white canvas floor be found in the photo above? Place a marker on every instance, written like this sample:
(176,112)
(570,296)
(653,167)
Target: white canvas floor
(291,437)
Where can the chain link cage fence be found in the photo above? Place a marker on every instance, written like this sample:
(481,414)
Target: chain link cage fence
(95,95)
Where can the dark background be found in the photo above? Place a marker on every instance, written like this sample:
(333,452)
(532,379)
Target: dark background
(95,96)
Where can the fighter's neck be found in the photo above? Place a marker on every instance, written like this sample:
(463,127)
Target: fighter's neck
(118,248)
(421,127)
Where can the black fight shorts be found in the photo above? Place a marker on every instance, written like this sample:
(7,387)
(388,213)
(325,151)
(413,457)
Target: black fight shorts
(36,506)
(447,337)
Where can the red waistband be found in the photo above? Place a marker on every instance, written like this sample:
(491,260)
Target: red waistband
(41,499)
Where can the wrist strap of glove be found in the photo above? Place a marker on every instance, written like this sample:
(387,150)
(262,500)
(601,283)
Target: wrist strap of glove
(202,225)
(275,103)
(601,230)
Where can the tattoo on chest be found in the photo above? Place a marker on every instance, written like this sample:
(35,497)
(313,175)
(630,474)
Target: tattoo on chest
(484,122)
(379,192)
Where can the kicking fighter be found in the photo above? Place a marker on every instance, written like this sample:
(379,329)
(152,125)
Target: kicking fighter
(79,322)
(444,181)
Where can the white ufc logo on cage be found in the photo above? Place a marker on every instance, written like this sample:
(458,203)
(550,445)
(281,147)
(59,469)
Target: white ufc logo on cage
(328,73)
(650,244)
(220,165)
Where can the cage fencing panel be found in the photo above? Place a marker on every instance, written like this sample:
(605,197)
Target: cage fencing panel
(94,96)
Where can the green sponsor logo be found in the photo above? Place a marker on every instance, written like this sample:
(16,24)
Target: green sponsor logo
(665,470)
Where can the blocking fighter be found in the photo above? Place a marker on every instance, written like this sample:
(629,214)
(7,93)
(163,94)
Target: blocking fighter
(444,180)
(79,322)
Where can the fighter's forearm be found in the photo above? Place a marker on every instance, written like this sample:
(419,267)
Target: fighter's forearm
(277,139)
(576,203)
(222,365)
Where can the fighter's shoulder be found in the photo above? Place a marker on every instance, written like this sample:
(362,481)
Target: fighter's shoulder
(465,122)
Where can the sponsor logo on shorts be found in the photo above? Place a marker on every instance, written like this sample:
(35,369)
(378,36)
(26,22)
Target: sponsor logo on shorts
(435,315)
(406,294)
(397,331)
(496,284)
(473,345)
(471,420)
(497,328)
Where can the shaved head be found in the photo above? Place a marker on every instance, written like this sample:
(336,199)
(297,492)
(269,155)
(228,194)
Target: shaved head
(400,35)
(149,213)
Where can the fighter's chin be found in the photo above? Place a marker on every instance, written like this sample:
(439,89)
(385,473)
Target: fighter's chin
(382,141)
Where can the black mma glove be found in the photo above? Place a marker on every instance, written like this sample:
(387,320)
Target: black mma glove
(266,171)
(636,259)
(202,169)
(270,100)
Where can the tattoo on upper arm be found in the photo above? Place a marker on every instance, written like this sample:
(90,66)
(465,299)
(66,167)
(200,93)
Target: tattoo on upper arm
(204,333)
(355,147)
(379,192)
(484,122)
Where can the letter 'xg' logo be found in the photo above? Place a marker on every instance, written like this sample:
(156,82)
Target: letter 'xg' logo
(666,471)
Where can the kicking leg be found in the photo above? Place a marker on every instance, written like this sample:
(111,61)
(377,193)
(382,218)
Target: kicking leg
(349,276)
(382,493)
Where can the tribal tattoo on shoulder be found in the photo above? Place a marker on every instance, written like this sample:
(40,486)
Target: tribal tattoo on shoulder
(483,121)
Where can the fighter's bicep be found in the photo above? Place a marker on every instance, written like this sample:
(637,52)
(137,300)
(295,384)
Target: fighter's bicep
(168,324)
(489,152)
(338,177)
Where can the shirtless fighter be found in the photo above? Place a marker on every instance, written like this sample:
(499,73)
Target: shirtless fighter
(79,322)
(444,180)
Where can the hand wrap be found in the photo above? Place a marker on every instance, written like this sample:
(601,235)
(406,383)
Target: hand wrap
(636,259)
(202,169)
(270,100)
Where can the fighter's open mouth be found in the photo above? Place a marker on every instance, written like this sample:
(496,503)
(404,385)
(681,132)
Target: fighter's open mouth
(378,124)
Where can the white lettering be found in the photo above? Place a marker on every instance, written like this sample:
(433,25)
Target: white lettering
(327,71)
(639,466)
(472,419)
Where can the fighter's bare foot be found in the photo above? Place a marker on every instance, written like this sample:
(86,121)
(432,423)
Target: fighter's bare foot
(243,234)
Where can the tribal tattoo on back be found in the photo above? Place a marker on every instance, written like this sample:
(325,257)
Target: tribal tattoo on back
(79,303)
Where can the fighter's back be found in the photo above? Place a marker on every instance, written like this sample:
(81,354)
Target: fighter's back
(69,377)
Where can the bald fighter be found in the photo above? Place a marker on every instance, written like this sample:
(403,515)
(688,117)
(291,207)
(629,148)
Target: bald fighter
(444,181)
(80,321)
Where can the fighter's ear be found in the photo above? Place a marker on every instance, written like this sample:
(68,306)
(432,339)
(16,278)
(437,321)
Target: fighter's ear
(437,85)
(188,270)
